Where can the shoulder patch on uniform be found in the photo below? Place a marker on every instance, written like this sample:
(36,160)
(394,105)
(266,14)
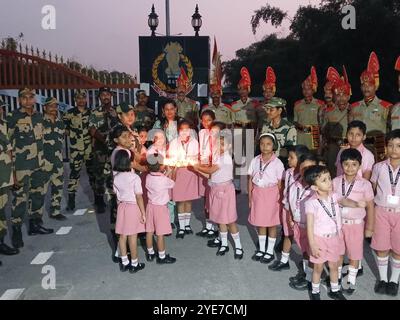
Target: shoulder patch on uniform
(385,104)
(227,105)
(321,102)
(355,104)
(298,102)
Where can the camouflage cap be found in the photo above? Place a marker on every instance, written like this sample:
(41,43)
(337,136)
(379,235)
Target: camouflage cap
(124,107)
(26,91)
(50,100)
(275,103)
(80,93)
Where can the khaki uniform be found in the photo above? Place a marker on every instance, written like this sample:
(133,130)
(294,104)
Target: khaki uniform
(223,112)
(188,110)
(306,114)
(395,117)
(6,175)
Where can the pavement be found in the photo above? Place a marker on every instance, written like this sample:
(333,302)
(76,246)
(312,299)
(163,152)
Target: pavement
(75,263)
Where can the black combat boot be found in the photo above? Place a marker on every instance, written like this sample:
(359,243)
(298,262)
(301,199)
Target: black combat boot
(16,238)
(101,205)
(35,228)
(6,250)
(71,202)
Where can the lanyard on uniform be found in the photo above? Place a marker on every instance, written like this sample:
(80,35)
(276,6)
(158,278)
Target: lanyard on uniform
(299,196)
(393,183)
(262,169)
(344,193)
(331,215)
(186,149)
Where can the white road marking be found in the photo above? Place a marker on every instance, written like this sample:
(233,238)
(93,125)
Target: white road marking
(63,231)
(80,212)
(42,257)
(12,294)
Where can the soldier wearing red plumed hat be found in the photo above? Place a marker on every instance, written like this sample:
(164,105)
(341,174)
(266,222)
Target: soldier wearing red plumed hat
(306,112)
(395,114)
(371,110)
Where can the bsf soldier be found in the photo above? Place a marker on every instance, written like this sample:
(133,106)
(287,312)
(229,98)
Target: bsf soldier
(6,181)
(145,117)
(373,111)
(76,122)
(25,129)
(223,112)
(395,114)
(269,91)
(335,118)
(284,131)
(244,117)
(187,108)
(102,120)
(53,142)
(306,113)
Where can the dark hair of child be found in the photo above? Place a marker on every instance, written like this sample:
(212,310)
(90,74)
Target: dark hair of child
(118,131)
(308,157)
(209,113)
(122,161)
(298,150)
(219,124)
(312,174)
(351,154)
(395,134)
(357,124)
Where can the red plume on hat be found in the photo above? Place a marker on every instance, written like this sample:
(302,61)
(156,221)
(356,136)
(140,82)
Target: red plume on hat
(371,75)
(397,65)
(270,79)
(245,81)
(312,80)
(346,82)
(332,77)
(216,80)
(339,84)
(183,80)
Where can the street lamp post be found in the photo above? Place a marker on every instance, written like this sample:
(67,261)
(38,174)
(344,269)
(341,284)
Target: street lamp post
(196,20)
(153,21)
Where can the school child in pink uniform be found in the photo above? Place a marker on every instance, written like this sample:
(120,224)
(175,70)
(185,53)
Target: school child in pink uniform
(131,214)
(157,215)
(356,135)
(223,196)
(206,155)
(298,193)
(324,226)
(291,175)
(386,238)
(265,175)
(351,186)
(184,151)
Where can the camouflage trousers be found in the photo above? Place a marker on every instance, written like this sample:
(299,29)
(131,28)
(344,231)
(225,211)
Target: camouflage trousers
(103,179)
(55,181)
(77,159)
(3,203)
(28,196)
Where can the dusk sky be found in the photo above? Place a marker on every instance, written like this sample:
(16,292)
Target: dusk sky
(104,33)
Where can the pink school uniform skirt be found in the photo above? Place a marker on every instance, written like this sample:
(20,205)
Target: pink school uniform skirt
(265,207)
(287,230)
(128,219)
(353,237)
(330,249)
(157,219)
(186,186)
(223,203)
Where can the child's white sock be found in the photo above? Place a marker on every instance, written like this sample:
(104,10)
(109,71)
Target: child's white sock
(271,245)
(395,268)
(383,267)
(315,287)
(236,239)
(224,238)
(161,254)
(182,219)
(335,286)
(284,257)
(187,219)
(150,250)
(209,225)
(117,253)
(359,265)
(262,240)
(352,275)
(125,260)
(134,262)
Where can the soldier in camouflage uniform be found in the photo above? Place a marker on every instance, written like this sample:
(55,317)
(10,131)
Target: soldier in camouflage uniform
(53,142)
(76,122)
(102,120)
(25,130)
(6,181)
(284,131)
(306,113)
(145,117)
(395,113)
(373,111)
(223,112)
(187,108)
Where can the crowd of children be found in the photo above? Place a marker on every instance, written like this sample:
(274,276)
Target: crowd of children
(328,219)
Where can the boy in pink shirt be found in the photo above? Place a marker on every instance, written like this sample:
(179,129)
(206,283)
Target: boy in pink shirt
(356,134)
(351,186)
(386,238)
(324,225)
